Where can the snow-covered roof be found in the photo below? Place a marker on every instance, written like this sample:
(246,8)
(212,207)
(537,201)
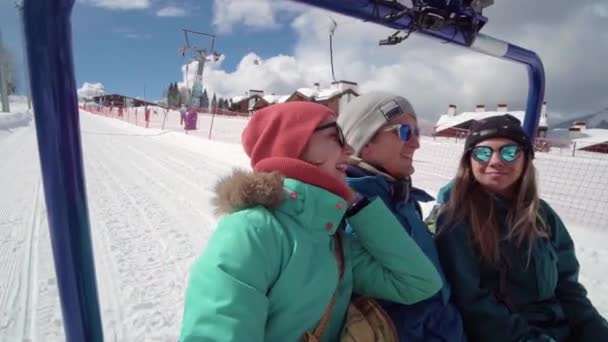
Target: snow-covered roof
(447,121)
(236,99)
(321,94)
(311,93)
(593,136)
(327,93)
(308,92)
(91,90)
(276,98)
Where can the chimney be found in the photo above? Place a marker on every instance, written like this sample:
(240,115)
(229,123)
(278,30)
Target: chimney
(543,116)
(452,110)
(252,92)
(344,85)
(502,107)
(480,108)
(581,125)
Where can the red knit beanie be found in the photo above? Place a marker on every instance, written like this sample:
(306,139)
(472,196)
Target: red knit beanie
(276,137)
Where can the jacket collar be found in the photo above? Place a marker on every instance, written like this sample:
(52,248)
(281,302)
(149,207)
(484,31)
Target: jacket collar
(369,181)
(313,208)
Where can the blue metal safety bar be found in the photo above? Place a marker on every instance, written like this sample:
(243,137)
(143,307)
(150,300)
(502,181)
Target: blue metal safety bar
(49,54)
(464,31)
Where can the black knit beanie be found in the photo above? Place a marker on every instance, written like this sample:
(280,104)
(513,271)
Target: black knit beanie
(504,126)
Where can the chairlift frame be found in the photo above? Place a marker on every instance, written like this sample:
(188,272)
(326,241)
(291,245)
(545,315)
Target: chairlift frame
(49,53)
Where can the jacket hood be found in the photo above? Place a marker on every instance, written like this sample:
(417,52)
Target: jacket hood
(444,193)
(245,189)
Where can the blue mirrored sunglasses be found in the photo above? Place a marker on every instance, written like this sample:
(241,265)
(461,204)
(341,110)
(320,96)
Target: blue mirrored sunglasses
(507,153)
(405,131)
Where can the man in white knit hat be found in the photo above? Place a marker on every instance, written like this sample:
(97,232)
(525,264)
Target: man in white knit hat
(383,130)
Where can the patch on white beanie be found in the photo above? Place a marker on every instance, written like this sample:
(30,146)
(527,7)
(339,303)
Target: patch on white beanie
(361,118)
(391,110)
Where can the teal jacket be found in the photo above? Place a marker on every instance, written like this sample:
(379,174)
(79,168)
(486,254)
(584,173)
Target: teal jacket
(542,301)
(269,270)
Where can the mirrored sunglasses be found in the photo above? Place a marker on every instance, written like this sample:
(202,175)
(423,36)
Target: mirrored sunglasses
(405,131)
(508,153)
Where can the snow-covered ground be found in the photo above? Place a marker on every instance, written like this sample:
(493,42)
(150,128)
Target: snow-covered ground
(149,199)
(18,116)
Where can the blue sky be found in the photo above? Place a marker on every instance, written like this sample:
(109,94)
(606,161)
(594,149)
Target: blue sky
(127,49)
(278,46)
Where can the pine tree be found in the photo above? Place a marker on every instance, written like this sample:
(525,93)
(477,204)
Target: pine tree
(169,94)
(205,101)
(176,95)
(181,98)
(172,98)
(214,102)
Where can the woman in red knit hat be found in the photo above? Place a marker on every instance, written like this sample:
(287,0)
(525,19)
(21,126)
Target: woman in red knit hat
(277,266)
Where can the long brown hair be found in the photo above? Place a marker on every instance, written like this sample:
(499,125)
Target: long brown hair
(469,202)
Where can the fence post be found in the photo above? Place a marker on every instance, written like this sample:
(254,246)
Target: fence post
(211,126)
(573,148)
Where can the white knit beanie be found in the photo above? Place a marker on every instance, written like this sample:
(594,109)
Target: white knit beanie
(365,114)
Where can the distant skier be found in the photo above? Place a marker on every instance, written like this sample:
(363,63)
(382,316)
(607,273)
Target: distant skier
(182,114)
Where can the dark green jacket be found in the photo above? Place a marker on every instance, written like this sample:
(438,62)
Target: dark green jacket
(543,298)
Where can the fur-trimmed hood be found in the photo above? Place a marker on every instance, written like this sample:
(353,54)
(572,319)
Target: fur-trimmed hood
(245,189)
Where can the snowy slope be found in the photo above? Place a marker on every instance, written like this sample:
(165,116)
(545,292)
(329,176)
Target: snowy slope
(149,200)
(18,116)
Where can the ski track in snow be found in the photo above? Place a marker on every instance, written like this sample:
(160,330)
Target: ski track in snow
(23,294)
(149,202)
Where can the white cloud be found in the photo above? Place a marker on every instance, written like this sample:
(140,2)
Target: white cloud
(89,90)
(171,11)
(429,73)
(278,74)
(119,4)
(601,10)
(254,14)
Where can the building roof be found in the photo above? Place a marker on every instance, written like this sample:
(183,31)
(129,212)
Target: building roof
(237,99)
(310,93)
(447,121)
(118,100)
(275,98)
(329,93)
(323,94)
(593,136)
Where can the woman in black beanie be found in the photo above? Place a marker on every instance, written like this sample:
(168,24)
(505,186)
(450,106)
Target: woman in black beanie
(506,253)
